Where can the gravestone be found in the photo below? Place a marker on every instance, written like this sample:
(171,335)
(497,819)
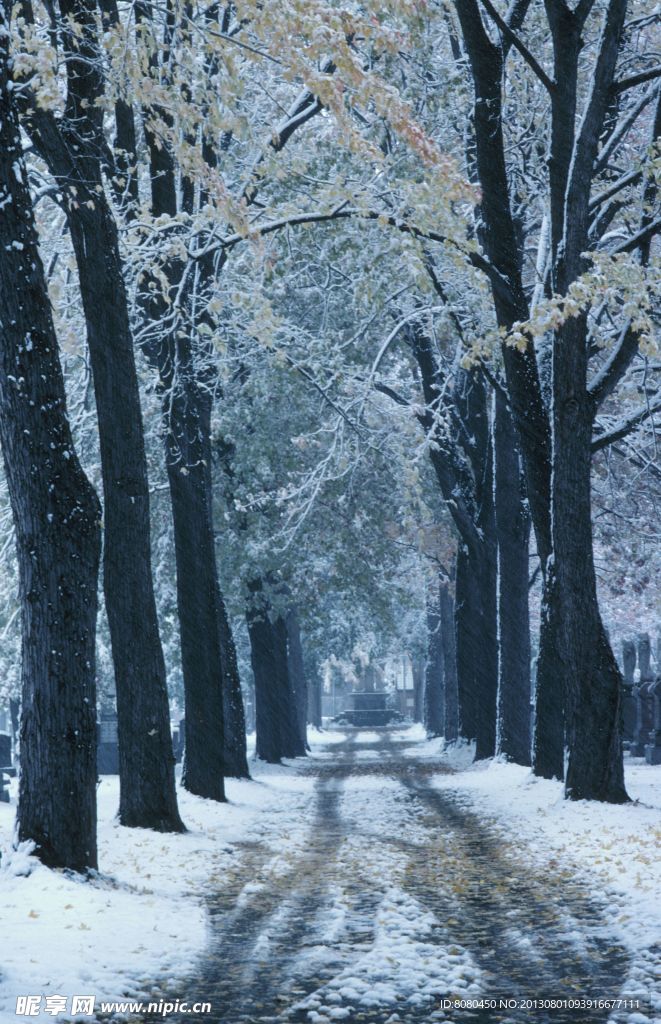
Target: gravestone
(653,748)
(628,661)
(6,769)
(644,658)
(107,749)
(178,740)
(644,696)
(644,718)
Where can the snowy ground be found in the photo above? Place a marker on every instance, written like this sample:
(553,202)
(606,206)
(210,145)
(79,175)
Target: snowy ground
(615,850)
(144,918)
(336,880)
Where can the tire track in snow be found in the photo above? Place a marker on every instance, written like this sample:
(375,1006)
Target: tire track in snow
(271,960)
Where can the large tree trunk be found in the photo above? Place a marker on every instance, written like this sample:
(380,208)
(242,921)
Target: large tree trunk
(57,519)
(215,722)
(513,531)
(590,675)
(434,697)
(146,761)
(196,588)
(297,675)
(451,702)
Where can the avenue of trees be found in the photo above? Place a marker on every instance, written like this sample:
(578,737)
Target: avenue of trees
(327,330)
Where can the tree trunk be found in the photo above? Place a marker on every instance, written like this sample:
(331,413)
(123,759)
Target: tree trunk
(235,758)
(548,742)
(146,761)
(276,710)
(293,742)
(513,531)
(263,659)
(297,675)
(476,646)
(196,587)
(314,698)
(73,155)
(57,518)
(434,699)
(590,677)
(215,722)
(446,607)
(211,665)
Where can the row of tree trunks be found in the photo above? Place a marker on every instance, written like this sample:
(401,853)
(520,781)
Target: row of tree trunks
(72,150)
(492,630)
(576,671)
(57,520)
(216,748)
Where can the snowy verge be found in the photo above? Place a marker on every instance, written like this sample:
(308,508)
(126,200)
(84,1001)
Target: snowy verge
(143,917)
(613,847)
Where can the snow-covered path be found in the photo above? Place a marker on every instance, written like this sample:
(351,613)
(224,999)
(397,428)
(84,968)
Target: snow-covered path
(397,901)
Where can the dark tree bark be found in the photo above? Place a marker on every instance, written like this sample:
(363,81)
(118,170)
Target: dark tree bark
(72,151)
(591,679)
(235,759)
(264,667)
(184,365)
(314,697)
(434,697)
(297,675)
(276,709)
(476,645)
(446,608)
(513,531)
(196,586)
(293,742)
(575,656)
(548,740)
(464,470)
(57,520)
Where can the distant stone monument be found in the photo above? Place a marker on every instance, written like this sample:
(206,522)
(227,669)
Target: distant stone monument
(369,710)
